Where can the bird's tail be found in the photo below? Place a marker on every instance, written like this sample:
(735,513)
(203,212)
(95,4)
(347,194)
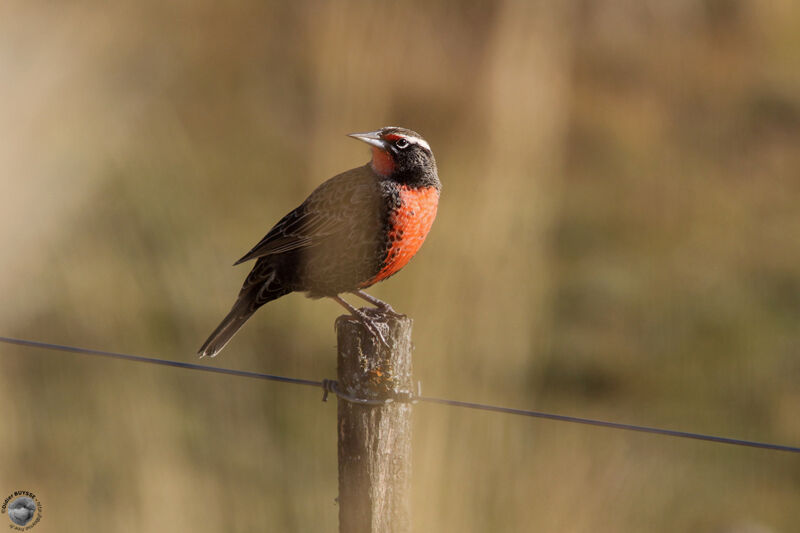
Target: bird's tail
(241,311)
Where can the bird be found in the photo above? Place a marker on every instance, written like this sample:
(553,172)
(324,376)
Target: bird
(356,229)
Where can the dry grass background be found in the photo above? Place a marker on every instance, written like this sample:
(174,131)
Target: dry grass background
(619,237)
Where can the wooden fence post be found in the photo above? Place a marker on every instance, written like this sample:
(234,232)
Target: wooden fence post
(374,439)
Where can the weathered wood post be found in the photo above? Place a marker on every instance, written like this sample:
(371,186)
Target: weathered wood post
(374,436)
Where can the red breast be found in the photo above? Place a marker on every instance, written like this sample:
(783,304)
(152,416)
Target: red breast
(409,224)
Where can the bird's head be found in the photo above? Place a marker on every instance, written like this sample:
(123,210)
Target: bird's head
(402,155)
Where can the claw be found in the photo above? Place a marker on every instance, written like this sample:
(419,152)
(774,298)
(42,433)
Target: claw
(386,308)
(366,320)
(373,328)
(379,304)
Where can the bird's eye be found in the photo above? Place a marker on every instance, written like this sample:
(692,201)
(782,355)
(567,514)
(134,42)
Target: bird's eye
(401,143)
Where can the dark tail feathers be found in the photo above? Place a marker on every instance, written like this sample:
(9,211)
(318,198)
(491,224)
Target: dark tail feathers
(241,311)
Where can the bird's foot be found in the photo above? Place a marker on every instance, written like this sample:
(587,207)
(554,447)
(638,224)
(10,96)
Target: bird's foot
(372,326)
(387,309)
(369,322)
(379,304)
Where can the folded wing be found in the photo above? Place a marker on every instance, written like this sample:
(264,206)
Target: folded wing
(299,229)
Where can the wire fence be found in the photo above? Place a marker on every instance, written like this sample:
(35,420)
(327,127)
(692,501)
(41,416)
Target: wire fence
(330,386)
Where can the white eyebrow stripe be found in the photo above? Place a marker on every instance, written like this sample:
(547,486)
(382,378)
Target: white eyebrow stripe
(416,140)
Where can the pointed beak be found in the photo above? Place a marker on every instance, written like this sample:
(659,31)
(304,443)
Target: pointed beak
(372,138)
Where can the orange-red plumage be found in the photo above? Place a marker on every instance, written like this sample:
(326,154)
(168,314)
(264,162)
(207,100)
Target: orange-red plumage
(409,224)
(382,162)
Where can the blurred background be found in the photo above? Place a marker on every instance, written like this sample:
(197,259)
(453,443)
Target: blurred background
(618,237)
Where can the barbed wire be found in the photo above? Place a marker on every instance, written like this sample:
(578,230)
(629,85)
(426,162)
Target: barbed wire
(329,386)
(163,362)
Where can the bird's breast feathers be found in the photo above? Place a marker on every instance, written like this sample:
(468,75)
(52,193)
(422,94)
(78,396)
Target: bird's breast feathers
(409,225)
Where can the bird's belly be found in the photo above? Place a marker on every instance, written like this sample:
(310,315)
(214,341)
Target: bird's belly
(409,224)
(329,274)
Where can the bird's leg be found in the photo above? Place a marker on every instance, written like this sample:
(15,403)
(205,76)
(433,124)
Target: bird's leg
(368,322)
(380,304)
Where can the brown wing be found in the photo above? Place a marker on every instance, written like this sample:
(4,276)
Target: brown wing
(298,229)
(323,214)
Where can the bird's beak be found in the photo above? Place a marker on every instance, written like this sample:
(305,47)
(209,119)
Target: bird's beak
(372,138)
